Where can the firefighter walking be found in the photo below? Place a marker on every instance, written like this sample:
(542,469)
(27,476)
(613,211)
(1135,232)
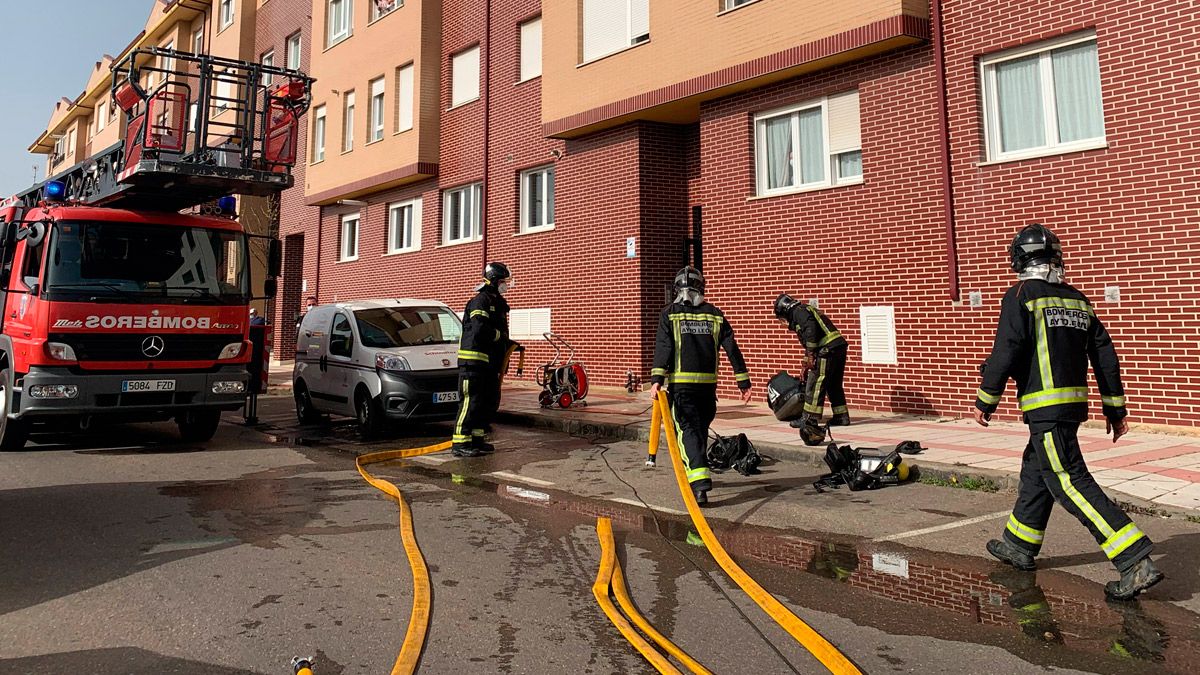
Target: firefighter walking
(824,360)
(690,331)
(1048,333)
(483,350)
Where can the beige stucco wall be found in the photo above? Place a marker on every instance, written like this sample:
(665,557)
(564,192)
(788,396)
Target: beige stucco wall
(374,50)
(688,39)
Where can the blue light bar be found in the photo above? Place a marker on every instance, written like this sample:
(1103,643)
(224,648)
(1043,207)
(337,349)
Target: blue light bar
(227,204)
(55,190)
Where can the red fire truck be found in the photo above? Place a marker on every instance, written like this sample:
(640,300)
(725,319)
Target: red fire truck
(115,304)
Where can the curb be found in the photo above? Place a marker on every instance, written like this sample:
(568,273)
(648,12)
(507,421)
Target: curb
(639,430)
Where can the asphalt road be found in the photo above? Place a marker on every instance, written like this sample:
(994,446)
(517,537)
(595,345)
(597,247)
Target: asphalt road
(125,551)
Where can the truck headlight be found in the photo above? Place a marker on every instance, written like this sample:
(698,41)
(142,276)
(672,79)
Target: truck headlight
(391,362)
(231,351)
(60,351)
(53,390)
(228,387)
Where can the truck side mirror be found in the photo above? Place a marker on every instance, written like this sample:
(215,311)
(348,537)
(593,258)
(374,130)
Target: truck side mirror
(275,259)
(270,287)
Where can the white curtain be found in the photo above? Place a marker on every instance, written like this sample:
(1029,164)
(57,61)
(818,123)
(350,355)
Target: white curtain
(812,147)
(849,164)
(779,152)
(1019,103)
(1077,92)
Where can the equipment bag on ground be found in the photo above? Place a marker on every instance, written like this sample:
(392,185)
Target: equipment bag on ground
(733,452)
(785,396)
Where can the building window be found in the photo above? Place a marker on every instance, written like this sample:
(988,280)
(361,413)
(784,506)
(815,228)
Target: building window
(464,77)
(404,227)
(348,122)
(348,238)
(198,40)
(375,123)
(461,219)
(225,92)
(225,14)
(268,60)
(293,52)
(812,145)
(318,135)
(612,25)
(731,4)
(537,199)
(167,63)
(877,326)
(339,23)
(404,98)
(101,115)
(1043,100)
(381,8)
(531,49)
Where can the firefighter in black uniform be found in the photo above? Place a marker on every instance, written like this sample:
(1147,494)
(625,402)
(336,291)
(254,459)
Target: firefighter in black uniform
(824,360)
(482,353)
(690,331)
(1047,335)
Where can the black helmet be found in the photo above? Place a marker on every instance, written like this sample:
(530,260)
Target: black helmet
(1035,244)
(495,272)
(812,433)
(784,305)
(689,278)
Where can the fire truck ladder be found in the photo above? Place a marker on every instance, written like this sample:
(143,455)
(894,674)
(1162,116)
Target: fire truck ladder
(197,127)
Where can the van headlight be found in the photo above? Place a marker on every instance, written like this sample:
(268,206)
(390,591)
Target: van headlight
(231,351)
(391,362)
(60,351)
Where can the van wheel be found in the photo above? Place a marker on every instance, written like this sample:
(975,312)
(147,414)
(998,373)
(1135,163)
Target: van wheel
(13,433)
(370,416)
(199,425)
(305,412)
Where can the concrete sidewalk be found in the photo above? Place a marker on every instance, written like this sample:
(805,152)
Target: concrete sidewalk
(1152,467)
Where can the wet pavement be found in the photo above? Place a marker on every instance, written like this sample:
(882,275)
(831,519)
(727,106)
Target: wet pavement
(128,552)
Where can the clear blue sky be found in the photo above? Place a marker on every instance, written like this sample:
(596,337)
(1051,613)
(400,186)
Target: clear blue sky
(47,52)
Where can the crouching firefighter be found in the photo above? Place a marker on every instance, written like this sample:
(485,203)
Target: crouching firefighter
(824,360)
(690,331)
(482,352)
(1048,333)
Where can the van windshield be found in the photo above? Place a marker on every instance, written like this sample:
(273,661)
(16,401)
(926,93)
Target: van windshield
(387,327)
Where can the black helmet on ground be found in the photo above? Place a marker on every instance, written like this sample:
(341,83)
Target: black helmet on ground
(1035,244)
(689,278)
(495,272)
(784,305)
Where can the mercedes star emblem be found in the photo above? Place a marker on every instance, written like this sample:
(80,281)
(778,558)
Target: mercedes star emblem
(153,346)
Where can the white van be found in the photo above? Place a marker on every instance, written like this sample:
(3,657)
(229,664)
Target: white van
(378,360)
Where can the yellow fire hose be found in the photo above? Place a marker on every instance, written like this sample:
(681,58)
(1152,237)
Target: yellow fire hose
(818,646)
(655,425)
(418,620)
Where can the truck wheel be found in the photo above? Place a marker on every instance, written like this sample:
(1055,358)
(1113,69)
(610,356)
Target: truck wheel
(199,425)
(305,412)
(13,433)
(370,416)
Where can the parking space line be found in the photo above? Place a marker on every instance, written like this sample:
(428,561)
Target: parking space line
(945,526)
(634,502)
(519,478)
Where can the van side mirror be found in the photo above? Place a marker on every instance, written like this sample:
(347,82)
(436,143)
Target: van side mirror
(270,287)
(275,259)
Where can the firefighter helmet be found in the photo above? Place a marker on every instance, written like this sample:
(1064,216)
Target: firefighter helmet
(495,272)
(784,305)
(1035,244)
(689,279)
(813,434)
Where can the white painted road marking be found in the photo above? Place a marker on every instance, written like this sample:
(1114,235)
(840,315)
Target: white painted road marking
(518,477)
(946,526)
(634,502)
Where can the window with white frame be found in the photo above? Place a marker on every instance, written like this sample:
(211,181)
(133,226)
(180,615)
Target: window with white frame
(537,199)
(339,21)
(225,92)
(193,116)
(531,49)
(811,145)
(348,238)
(404,98)
(381,8)
(461,214)
(464,77)
(730,4)
(268,59)
(198,40)
(167,63)
(878,330)
(318,134)
(375,121)
(404,227)
(292,54)
(348,122)
(225,14)
(101,115)
(612,25)
(1043,99)
(528,324)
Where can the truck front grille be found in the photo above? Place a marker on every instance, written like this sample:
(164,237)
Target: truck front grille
(129,346)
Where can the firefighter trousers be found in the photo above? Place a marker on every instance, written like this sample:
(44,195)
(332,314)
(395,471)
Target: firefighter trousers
(1053,470)
(826,377)
(478,401)
(693,409)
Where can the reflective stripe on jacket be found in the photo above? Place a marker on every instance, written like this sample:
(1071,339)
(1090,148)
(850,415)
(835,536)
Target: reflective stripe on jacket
(484,338)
